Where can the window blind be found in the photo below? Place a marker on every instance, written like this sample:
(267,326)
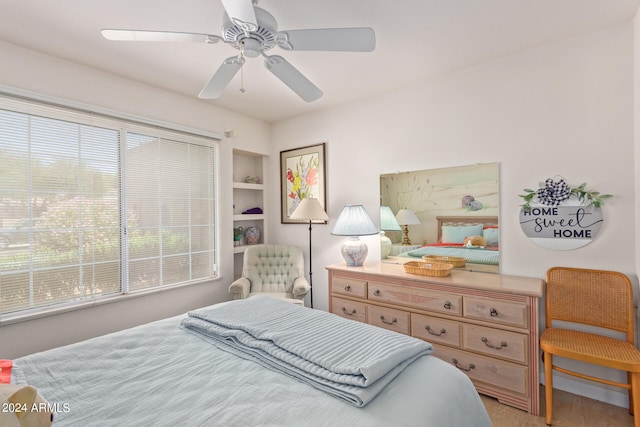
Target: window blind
(93,207)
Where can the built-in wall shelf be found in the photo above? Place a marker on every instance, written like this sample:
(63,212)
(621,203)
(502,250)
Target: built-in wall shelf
(248,186)
(247,195)
(248,217)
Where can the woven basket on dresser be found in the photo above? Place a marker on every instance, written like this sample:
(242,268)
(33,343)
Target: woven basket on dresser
(455,260)
(434,269)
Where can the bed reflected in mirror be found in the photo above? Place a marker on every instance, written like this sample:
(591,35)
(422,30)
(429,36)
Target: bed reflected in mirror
(446,214)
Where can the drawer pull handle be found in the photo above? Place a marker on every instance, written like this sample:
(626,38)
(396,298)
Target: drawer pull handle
(455,363)
(377,292)
(442,331)
(502,345)
(386,322)
(493,312)
(347,288)
(447,305)
(344,310)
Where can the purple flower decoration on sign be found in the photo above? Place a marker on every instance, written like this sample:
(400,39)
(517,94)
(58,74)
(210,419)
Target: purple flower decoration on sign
(553,193)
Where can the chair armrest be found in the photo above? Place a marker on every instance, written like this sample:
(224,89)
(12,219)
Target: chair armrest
(240,288)
(300,287)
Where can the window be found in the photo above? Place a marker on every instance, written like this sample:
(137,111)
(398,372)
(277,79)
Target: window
(93,207)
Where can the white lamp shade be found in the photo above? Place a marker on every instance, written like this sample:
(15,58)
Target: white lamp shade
(354,221)
(309,209)
(407,217)
(388,222)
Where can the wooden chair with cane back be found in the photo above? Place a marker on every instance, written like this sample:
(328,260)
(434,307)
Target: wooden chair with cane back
(597,298)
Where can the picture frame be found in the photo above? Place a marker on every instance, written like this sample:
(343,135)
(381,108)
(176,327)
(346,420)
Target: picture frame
(302,175)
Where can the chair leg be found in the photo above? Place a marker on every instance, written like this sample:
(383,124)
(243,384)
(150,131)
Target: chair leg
(630,382)
(635,393)
(548,388)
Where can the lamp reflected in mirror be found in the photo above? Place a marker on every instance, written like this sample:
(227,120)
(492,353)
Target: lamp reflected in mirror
(406,217)
(388,222)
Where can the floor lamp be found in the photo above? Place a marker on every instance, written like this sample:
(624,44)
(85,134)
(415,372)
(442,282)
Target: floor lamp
(310,210)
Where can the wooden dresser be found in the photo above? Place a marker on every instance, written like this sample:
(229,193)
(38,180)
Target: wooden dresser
(484,324)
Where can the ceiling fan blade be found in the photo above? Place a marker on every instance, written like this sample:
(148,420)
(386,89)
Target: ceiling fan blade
(293,78)
(221,78)
(241,13)
(361,39)
(158,36)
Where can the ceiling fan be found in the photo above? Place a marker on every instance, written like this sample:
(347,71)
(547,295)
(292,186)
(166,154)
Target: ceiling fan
(253,31)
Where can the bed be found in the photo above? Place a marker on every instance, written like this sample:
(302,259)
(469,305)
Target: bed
(165,374)
(451,233)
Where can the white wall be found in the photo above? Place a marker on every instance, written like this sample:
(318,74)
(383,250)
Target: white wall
(561,109)
(34,72)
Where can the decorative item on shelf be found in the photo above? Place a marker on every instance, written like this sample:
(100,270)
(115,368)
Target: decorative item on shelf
(561,216)
(252,180)
(310,210)
(388,222)
(252,211)
(252,235)
(354,221)
(406,217)
(237,235)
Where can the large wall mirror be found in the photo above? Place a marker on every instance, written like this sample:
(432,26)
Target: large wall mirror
(447,212)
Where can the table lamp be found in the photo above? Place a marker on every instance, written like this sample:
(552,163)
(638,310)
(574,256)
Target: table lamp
(388,222)
(354,221)
(406,217)
(310,210)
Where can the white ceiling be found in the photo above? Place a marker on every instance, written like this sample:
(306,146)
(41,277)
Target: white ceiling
(415,39)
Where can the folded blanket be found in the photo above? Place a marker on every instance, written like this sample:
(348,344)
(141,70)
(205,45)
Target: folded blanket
(349,360)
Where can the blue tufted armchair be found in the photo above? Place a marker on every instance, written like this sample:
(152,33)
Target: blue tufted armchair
(275,270)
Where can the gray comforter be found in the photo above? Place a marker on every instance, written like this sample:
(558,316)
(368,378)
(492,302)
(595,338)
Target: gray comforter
(160,375)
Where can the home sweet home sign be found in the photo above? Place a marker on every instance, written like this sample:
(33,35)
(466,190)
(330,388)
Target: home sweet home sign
(561,227)
(558,216)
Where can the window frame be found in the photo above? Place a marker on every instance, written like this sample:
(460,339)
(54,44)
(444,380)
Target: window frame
(55,108)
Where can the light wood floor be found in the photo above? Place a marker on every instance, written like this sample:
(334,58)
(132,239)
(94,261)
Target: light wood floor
(569,410)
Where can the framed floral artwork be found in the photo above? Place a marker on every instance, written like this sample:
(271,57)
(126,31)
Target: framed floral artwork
(302,175)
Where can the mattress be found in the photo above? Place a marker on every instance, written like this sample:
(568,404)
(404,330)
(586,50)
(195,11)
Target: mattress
(158,374)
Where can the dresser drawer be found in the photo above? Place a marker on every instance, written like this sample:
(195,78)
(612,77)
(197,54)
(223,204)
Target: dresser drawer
(492,373)
(388,318)
(435,330)
(349,309)
(346,286)
(495,342)
(415,297)
(503,312)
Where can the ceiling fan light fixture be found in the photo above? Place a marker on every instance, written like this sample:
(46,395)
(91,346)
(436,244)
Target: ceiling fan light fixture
(251,48)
